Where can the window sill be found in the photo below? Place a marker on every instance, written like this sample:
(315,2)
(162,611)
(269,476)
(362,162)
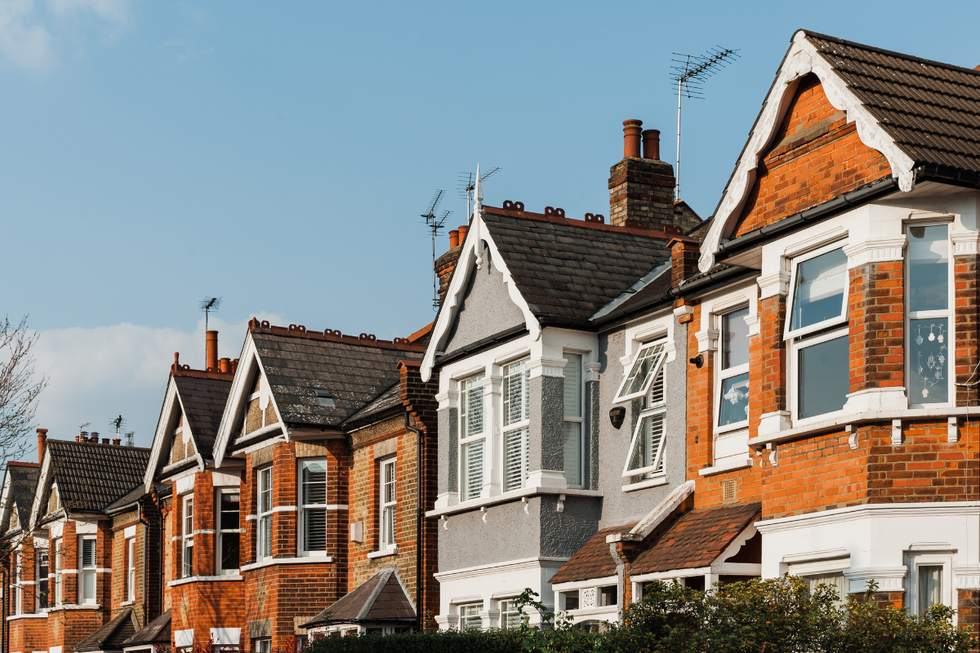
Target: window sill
(30,615)
(201,579)
(728,466)
(381,554)
(642,485)
(76,606)
(125,603)
(841,420)
(513,495)
(311,560)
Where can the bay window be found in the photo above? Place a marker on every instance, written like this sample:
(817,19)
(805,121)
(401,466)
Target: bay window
(187,550)
(646,452)
(928,333)
(229,531)
(313,518)
(18,591)
(469,616)
(816,333)
(57,572)
(264,534)
(733,371)
(572,444)
(517,378)
(472,438)
(43,600)
(929,582)
(86,569)
(510,615)
(387,505)
(131,569)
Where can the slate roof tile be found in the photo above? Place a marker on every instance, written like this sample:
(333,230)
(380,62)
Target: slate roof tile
(379,598)
(111,636)
(157,631)
(92,476)
(203,401)
(23,479)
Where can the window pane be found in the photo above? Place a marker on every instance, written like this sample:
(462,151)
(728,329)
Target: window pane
(657,395)
(265,536)
(928,268)
(929,589)
(469,617)
(516,377)
(229,511)
(229,550)
(929,361)
(471,482)
(573,385)
(388,526)
(472,422)
(734,405)
(515,459)
(646,447)
(265,490)
(315,529)
(735,339)
(314,482)
(88,553)
(819,291)
(643,368)
(88,586)
(824,377)
(573,453)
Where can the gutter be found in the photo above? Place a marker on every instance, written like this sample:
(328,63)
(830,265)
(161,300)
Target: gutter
(479,345)
(419,523)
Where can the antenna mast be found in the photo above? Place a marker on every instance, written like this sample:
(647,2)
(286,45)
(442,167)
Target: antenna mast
(466,185)
(207,305)
(434,224)
(688,77)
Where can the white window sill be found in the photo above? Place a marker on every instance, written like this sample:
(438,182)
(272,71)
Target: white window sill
(381,554)
(726,466)
(513,495)
(76,606)
(125,603)
(200,579)
(31,615)
(839,421)
(642,485)
(311,560)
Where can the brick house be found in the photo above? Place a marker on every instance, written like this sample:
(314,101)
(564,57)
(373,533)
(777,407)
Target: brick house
(19,481)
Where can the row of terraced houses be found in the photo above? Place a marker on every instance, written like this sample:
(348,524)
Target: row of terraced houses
(790,386)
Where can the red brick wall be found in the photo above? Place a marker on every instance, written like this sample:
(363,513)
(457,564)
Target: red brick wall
(815,156)
(967,325)
(876,307)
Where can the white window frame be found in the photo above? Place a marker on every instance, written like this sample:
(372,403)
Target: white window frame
(306,509)
(471,384)
(507,608)
(131,569)
(58,561)
(187,536)
(653,408)
(520,428)
(788,333)
(42,554)
(18,590)
(387,510)
(85,571)
(947,314)
(658,356)
(464,610)
(916,560)
(578,360)
(793,370)
(222,532)
(263,540)
(722,375)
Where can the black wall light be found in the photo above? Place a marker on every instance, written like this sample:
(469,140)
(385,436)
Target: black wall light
(616,416)
(698,361)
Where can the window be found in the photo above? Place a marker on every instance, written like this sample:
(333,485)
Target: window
(229,530)
(57,572)
(313,519)
(816,333)
(18,592)
(836,580)
(469,617)
(517,378)
(733,371)
(472,438)
(607,596)
(263,645)
(131,569)
(43,601)
(510,616)
(641,373)
(573,442)
(187,550)
(387,505)
(645,458)
(571,600)
(264,540)
(929,332)
(929,582)
(86,568)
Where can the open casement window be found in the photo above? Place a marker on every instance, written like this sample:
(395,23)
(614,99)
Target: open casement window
(187,550)
(229,531)
(928,333)
(264,539)
(641,373)
(646,453)
(732,405)
(313,520)
(816,333)
(86,569)
(42,584)
(517,379)
(573,401)
(387,505)
(131,569)
(472,438)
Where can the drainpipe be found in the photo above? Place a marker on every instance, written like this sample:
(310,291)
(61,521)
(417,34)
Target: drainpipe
(419,522)
(146,548)
(6,603)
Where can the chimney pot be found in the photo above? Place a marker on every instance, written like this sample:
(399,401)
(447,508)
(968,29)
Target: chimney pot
(454,239)
(105,440)
(462,233)
(211,338)
(651,144)
(116,441)
(225,365)
(42,436)
(234,366)
(631,137)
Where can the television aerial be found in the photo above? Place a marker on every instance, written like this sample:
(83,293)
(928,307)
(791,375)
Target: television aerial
(467,183)
(435,223)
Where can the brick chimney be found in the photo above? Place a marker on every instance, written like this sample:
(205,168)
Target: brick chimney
(42,437)
(641,189)
(211,347)
(446,263)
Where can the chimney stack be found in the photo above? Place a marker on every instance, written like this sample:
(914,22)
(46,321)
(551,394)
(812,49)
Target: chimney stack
(211,338)
(42,437)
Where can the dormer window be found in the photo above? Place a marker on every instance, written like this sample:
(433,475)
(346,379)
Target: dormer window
(641,373)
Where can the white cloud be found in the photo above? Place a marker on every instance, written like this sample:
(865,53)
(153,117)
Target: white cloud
(27,45)
(98,373)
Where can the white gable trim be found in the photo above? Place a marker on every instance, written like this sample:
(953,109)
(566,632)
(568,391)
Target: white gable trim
(469,257)
(165,426)
(40,493)
(5,501)
(249,362)
(801,60)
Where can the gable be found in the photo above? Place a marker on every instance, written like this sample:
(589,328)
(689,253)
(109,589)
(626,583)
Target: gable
(54,500)
(485,309)
(181,443)
(814,156)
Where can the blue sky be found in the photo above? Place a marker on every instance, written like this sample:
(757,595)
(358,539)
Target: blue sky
(279,155)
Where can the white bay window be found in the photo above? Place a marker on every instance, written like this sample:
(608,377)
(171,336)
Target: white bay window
(313,516)
(187,550)
(86,569)
(517,378)
(264,539)
(472,438)
(573,400)
(928,331)
(387,505)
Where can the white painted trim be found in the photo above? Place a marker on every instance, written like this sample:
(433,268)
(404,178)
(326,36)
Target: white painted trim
(513,495)
(657,481)
(728,466)
(522,564)
(382,554)
(129,532)
(580,584)
(857,513)
(205,579)
(662,510)
(226,636)
(802,59)
(272,562)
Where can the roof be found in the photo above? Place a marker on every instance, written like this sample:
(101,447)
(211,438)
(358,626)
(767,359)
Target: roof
(930,109)
(111,636)
(23,478)
(696,539)
(356,370)
(380,598)
(566,270)
(592,560)
(92,476)
(203,401)
(388,399)
(127,499)
(157,630)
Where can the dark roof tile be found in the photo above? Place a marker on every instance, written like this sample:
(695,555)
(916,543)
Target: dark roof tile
(379,598)
(203,401)
(111,636)
(92,476)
